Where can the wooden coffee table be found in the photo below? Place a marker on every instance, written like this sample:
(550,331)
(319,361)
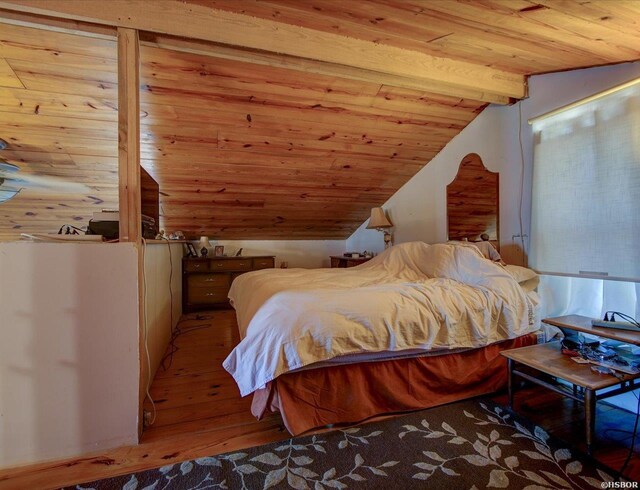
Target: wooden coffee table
(547,359)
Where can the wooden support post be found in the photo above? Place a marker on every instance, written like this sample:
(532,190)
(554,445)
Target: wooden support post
(129,135)
(130,195)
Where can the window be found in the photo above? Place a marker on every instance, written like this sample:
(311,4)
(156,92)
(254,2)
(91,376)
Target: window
(586,188)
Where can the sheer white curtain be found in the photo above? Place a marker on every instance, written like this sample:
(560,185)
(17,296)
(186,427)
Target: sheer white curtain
(585,214)
(562,295)
(586,188)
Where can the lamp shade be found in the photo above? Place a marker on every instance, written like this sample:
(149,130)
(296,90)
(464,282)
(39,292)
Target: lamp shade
(204,242)
(378,219)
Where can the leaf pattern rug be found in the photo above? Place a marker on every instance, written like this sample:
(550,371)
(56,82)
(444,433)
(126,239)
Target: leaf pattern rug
(468,445)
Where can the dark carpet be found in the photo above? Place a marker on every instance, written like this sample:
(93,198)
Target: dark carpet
(471,444)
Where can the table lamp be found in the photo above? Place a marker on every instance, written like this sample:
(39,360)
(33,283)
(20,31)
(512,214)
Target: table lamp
(204,245)
(380,222)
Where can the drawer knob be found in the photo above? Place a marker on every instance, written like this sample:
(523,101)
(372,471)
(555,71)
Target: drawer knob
(209,279)
(209,294)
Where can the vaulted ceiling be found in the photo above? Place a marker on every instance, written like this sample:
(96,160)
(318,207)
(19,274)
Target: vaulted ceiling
(518,36)
(262,149)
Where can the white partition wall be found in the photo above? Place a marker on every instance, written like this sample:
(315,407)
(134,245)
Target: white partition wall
(69,366)
(163,297)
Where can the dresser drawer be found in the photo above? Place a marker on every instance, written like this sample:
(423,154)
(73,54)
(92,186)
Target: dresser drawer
(264,263)
(195,266)
(231,265)
(208,295)
(208,280)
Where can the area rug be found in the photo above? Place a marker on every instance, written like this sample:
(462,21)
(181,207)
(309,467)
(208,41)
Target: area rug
(468,445)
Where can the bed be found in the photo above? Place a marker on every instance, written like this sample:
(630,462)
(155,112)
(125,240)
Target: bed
(417,326)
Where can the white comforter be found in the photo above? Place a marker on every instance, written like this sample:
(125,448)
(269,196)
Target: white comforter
(412,296)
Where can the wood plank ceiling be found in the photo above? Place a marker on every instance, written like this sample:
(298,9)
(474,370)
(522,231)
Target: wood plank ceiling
(243,150)
(58,112)
(518,36)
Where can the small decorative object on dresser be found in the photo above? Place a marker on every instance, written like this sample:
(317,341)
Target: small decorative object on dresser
(191,250)
(206,281)
(350,261)
(219,250)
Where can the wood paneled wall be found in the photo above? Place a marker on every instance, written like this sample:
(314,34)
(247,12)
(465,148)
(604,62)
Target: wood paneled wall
(473,202)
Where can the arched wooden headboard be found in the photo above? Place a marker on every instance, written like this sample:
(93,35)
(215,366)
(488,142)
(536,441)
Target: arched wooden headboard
(473,202)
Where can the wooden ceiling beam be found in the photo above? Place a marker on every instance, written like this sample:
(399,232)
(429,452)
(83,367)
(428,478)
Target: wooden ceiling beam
(318,67)
(343,56)
(68,26)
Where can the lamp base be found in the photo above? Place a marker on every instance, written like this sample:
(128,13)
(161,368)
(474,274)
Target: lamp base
(387,239)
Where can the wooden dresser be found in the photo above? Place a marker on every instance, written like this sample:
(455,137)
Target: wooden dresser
(341,261)
(206,281)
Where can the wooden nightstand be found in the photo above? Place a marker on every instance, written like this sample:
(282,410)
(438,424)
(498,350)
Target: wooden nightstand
(342,261)
(532,361)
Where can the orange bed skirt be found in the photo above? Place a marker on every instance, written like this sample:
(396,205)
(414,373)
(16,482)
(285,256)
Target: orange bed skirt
(354,392)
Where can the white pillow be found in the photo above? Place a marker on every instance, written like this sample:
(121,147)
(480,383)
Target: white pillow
(486,249)
(527,278)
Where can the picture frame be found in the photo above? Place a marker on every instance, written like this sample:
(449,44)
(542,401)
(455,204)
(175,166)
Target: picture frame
(191,250)
(219,251)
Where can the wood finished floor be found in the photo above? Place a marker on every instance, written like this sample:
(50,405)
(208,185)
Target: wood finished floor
(200,413)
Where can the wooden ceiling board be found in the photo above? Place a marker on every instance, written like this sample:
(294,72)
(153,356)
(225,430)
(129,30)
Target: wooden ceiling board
(54,104)
(8,78)
(386,24)
(58,123)
(271,150)
(549,26)
(293,113)
(65,80)
(520,36)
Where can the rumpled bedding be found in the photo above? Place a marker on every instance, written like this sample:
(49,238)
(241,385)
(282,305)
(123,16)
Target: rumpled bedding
(412,296)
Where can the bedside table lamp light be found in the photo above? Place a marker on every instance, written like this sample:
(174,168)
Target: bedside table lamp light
(380,222)
(204,243)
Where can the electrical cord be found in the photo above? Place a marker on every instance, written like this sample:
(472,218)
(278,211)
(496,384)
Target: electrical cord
(170,286)
(146,338)
(76,230)
(633,442)
(624,316)
(524,250)
(173,348)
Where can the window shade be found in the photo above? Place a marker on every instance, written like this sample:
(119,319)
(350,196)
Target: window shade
(585,215)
